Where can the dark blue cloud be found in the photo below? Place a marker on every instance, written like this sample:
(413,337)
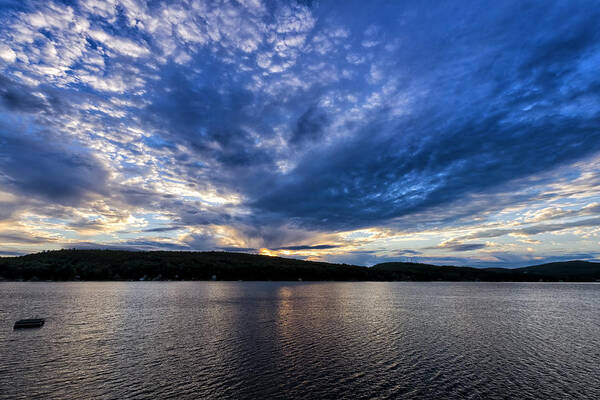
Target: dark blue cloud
(163,229)
(310,126)
(19,98)
(211,119)
(467,246)
(16,97)
(135,245)
(369,181)
(492,116)
(36,166)
(308,247)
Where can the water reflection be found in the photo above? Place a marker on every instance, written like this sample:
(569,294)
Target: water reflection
(300,340)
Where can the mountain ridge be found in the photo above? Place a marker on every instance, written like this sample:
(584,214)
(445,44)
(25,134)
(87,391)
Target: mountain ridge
(66,265)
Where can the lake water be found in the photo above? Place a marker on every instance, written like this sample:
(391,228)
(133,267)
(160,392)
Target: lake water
(240,340)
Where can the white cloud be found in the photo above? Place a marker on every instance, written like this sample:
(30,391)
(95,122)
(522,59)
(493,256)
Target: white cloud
(124,46)
(7,54)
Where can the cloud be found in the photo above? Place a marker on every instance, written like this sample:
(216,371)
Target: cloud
(215,124)
(8,237)
(458,245)
(518,260)
(21,98)
(368,180)
(532,230)
(407,252)
(7,54)
(163,229)
(308,247)
(201,241)
(467,246)
(34,165)
(124,46)
(132,245)
(310,126)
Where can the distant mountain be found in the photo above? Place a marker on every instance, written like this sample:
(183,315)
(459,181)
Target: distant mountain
(171,265)
(428,272)
(571,271)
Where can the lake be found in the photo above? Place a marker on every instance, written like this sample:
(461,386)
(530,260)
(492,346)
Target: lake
(300,340)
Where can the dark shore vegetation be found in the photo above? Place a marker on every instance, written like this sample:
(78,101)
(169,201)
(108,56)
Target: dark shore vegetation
(103,265)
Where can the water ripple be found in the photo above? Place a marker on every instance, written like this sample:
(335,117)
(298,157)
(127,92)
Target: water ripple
(231,340)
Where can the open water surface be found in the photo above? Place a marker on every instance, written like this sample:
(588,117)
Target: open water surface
(241,340)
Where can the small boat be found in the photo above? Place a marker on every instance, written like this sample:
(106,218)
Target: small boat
(29,323)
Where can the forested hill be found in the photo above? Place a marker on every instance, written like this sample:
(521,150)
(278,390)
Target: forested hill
(568,271)
(171,265)
(174,265)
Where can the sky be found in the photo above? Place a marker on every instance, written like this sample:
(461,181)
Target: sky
(360,132)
